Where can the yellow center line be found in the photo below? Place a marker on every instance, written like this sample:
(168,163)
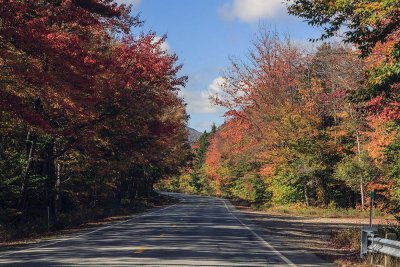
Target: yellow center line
(140,250)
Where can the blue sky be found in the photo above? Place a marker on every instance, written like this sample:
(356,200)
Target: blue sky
(206,33)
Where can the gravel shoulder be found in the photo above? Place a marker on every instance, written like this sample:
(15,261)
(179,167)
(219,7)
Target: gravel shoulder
(311,234)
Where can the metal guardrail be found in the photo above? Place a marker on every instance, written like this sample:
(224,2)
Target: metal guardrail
(371,242)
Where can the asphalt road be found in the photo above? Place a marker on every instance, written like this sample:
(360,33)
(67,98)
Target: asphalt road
(198,231)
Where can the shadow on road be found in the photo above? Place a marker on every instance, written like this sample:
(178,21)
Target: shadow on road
(199,231)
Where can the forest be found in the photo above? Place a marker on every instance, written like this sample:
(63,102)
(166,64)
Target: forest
(91,119)
(90,116)
(317,128)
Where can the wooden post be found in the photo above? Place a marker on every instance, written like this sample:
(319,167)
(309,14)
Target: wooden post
(391,236)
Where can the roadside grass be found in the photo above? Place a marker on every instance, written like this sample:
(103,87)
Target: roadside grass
(330,212)
(349,239)
(344,240)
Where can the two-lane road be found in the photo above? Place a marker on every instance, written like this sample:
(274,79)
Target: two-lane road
(198,231)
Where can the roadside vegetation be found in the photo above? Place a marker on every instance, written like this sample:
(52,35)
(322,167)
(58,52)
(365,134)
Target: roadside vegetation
(316,129)
(90,117)
(349,239)
(329,212)
(311,133)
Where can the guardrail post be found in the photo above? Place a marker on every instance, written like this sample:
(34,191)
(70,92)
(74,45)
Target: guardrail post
(367,235)
(371,243)
(391,236)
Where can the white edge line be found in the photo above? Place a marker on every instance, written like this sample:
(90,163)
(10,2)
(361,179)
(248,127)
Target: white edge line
(262,240)
(88,233)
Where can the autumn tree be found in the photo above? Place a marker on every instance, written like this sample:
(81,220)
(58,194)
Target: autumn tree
(197,178)
(373,27)
(290,116)
(98,106)
(269,95)
(50,54)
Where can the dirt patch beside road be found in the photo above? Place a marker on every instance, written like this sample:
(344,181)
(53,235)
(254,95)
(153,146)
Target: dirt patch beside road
(313,234)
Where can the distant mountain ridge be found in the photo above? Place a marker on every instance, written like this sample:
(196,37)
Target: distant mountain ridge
(193,135)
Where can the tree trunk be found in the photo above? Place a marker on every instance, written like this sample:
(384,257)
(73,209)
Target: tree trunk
(306,196)
(51,180)
(94,196)
(134,189)
(358,143)
(146,183)
(322,192)
(57,191)
(358,154)
(361,179)
(118,186)
(31,140)
(362,194)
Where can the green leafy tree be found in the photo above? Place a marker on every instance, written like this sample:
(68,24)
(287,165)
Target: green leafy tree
(365,23)
(197,177)
(356,171)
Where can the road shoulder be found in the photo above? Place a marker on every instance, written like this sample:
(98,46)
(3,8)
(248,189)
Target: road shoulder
(310,234)
(25,242)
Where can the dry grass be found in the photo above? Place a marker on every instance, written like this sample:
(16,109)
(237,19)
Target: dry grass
(299,210)
(332,236)
(348,238)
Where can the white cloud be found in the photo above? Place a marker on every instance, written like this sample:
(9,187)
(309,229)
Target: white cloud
(252,10)
(134,3)
(215,87)
(200,102)
(164,46)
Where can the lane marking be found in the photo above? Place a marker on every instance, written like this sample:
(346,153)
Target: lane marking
(262,240)
(140,250)
(88,233)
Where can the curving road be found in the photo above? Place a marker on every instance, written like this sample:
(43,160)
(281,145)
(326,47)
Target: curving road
(198,231)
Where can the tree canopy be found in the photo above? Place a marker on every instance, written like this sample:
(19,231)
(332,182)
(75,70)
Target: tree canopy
(89,110)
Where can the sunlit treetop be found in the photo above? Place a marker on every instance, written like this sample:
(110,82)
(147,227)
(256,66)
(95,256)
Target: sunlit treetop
(364,23)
